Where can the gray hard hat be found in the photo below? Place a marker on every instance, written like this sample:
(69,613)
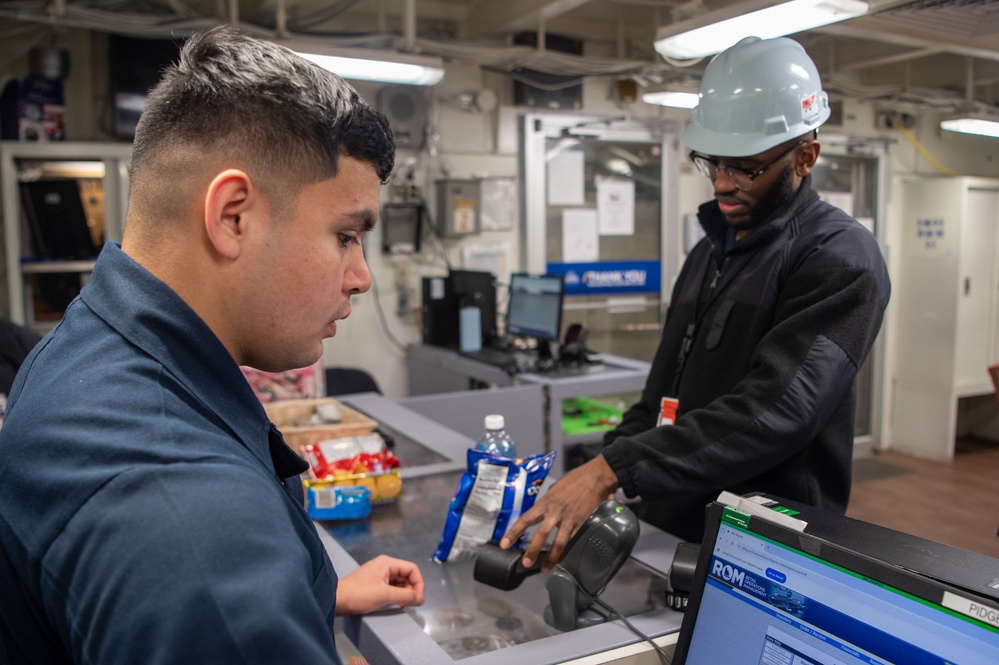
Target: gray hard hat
(756,95)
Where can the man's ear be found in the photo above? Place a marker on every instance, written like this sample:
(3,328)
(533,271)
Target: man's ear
(230,196)
(807,156)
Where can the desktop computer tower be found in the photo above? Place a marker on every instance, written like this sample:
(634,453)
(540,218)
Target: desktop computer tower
(443,297)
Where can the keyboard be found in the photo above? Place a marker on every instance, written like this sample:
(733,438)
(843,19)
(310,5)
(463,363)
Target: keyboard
(491,356)
(512,361)
(569,371)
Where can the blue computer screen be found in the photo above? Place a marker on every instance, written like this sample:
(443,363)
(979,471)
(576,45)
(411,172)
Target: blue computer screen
(535,306)
(765,602)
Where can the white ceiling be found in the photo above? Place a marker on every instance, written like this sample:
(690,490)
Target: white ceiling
(914,51)
(934,53)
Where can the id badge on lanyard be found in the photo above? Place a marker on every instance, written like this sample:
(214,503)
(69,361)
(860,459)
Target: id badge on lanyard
(667,411)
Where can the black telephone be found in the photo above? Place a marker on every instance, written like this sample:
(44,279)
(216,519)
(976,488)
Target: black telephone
(574,347)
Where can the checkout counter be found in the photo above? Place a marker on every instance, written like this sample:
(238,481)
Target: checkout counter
(434,369)
(464,620)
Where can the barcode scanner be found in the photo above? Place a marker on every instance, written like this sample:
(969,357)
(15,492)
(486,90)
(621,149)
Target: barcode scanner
(503,569)
(593,556)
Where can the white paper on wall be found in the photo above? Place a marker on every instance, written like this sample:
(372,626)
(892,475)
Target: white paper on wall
(580,243)
(616,207)
(498,203)
(494,258)
(566,179)
(842,200)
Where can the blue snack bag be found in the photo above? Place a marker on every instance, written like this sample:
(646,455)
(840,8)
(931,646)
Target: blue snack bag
(491,496)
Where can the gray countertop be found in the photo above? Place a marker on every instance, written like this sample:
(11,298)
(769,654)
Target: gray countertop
(463,619)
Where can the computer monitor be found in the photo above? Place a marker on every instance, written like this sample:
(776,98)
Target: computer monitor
(57,220)
(534,308)
(443,297)
(775,589)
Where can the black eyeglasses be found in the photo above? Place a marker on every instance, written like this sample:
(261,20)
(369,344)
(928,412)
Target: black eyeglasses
(741,178)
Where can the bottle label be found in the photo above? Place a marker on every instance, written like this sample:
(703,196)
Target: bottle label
(493,493)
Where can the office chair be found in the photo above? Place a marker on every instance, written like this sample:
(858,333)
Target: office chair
(347,380)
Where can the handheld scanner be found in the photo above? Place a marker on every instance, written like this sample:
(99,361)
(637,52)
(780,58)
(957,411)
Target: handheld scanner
(600,547)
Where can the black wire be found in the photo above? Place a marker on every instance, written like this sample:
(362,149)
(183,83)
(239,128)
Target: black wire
(381,314)
(665,657)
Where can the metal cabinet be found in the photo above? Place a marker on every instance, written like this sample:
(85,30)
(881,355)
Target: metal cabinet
(948,314)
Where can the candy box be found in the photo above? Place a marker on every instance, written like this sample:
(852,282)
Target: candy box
(383,487)
(304,421)
(326,501)
(361,461)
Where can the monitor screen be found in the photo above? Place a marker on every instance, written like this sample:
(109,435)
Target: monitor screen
(476,288)
(535,306)
(57,219)
(764,593)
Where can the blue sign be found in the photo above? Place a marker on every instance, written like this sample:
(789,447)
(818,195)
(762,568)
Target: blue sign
(608,277)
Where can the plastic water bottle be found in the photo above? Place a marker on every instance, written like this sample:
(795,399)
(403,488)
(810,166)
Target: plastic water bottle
(496,440)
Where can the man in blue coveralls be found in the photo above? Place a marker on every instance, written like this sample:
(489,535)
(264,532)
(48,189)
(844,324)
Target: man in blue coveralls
(149,510)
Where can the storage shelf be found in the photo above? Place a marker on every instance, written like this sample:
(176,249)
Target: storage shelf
(36,267)
(62,159)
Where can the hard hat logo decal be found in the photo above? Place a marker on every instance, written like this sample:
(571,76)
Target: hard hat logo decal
(808,106)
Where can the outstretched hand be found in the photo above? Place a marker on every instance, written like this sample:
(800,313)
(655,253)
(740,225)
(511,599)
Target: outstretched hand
(377,584)
(564,506)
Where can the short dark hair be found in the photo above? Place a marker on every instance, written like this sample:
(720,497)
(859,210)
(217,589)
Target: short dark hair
(262,105)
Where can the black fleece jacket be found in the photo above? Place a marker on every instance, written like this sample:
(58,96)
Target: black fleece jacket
(780,324)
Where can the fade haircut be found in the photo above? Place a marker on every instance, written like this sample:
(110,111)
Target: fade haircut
(253,105)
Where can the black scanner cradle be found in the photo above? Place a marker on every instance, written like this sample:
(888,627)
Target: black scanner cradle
(593,556)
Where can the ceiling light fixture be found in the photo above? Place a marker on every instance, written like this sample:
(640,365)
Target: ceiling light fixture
(673,95)
(379,66)
(982,124)
(715,31)
(971,117)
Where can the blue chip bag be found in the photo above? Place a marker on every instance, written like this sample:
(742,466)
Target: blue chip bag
(493,493)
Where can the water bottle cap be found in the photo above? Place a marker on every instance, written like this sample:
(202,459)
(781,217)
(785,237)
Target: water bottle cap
(495,422)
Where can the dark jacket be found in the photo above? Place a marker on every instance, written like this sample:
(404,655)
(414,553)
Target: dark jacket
(780,324)
(16,343)
(149,510)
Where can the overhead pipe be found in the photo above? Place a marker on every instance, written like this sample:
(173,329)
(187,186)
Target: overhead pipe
(409,25)
(969,82)
(281,19)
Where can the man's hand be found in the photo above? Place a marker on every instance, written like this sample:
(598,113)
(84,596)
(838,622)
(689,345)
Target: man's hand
(381,582)
(565,506)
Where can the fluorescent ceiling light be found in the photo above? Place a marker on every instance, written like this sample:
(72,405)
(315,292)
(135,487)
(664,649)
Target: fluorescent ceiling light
(383,67)
(973,123)
(715,31)
(673,98)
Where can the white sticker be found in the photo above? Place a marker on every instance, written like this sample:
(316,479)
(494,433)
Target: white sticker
(478,519)
(971,608)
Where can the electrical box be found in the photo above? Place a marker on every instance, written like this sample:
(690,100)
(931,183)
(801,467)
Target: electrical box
(458,207)
(401,223)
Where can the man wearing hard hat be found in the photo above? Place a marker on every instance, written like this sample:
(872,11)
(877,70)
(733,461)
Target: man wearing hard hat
(753,385)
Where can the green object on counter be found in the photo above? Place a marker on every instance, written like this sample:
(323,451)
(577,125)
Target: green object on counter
(583,415)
